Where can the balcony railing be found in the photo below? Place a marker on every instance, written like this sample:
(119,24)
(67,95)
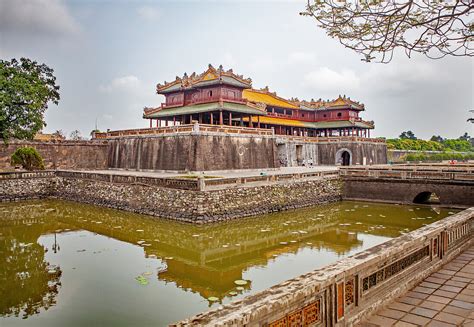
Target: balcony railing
(188,128)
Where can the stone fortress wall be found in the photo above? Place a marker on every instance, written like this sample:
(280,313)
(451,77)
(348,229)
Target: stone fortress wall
(182,202)
(192,152)
(61,154)
(303,151)
(200,148)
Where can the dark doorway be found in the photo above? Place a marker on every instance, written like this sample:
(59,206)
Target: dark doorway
(346,158)
(299,155)
(426,198)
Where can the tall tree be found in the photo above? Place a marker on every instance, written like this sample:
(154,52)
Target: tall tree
(375,28)
(26,87)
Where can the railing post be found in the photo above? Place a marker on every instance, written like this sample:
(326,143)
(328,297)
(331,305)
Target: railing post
(196,127)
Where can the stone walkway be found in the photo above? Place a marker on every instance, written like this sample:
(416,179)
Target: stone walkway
(445,298)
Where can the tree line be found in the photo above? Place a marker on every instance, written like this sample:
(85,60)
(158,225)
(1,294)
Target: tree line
(408,141)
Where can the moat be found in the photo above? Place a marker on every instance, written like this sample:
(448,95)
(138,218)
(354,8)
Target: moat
(61,260)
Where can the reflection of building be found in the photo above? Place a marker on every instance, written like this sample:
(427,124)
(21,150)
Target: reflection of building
(220,97)
(208,259)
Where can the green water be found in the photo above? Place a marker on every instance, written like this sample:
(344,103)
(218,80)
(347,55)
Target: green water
(70,264)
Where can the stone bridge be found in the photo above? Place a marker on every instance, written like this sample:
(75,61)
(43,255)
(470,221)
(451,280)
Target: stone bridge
(451,185)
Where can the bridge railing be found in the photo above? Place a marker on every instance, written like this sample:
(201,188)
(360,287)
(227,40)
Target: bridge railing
(343,293)
(440,173)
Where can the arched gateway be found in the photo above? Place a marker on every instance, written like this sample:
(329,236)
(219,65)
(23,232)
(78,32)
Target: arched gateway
(344,157)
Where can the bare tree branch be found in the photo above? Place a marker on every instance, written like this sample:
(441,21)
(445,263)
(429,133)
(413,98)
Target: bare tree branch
(375,28)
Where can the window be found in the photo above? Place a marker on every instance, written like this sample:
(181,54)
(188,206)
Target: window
(302,115)
(324,115)
(339,114)
(210,93)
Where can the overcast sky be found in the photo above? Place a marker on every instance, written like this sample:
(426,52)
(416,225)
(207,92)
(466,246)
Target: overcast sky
(108,57)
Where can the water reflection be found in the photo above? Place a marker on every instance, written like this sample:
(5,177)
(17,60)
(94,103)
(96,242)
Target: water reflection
(206,260)
(28,282)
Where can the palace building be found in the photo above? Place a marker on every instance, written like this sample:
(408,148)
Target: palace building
(220,97)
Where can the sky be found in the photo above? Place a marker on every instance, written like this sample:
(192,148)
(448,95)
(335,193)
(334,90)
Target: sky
(108,57)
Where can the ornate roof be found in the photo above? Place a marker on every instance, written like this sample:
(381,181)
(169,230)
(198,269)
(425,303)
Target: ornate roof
(209,77)
(269,98)
(340,102)
(248,108)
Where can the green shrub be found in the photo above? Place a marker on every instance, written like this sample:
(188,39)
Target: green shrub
(439,156)
(28,157)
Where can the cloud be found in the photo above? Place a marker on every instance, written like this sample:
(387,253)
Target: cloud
(377,80)
(301,57)
(325,79)
(37,17)
(148,13)
(128,83)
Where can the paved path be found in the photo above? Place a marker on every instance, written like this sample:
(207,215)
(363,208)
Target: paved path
(445,298)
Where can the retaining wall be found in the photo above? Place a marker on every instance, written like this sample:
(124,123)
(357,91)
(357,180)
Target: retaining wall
(193,152)
(345,292)
(142,195)
(60,154)
(294,152)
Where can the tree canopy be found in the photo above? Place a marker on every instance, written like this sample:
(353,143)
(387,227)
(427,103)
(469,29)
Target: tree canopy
(375,28)
(408,135)
(26,87)
(437,143)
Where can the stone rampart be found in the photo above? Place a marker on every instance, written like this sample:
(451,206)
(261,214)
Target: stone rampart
(195,151)
(144,196)
(345,292)
(60,154)
(294,151)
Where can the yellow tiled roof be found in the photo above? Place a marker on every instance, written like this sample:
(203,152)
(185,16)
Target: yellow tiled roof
(268,98)
(279,121)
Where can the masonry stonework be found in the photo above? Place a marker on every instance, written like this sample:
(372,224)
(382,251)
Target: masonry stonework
(61,154)
(184,205)
(297,153)
(193,152)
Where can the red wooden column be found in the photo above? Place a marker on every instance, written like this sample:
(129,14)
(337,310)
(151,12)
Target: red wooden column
(151,124)
(230,118)
(157,123)
(166,123)
(221,118)
(174,120)
(250,121)
(200,118)
(212,118)
(258,121)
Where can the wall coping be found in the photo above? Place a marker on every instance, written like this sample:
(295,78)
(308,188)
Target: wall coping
(194,184)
